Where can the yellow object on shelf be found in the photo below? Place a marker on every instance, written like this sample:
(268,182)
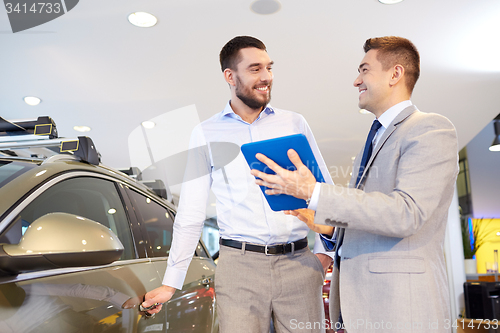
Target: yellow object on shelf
(489,234)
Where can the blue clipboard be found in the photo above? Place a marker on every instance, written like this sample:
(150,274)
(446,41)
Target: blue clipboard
(276,149)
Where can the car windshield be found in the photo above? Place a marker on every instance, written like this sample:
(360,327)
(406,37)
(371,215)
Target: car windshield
(9,170)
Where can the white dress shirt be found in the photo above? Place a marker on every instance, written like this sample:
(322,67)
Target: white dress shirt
(243,213)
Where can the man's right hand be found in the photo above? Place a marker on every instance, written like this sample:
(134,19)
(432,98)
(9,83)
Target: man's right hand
(159,295)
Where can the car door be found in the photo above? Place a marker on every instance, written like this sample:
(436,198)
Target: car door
(191,309)
(82,299)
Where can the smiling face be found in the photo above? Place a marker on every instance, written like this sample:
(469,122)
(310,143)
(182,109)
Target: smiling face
(374,85)
(253,78)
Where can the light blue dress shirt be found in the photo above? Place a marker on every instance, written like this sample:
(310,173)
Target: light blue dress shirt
(243,213)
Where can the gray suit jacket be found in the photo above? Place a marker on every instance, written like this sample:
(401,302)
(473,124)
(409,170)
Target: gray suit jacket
(392,271)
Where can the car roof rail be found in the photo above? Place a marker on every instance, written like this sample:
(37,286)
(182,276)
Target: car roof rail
(38,138)
(81,147)
(132,172)
(158,186)
(60,157)
(27,129)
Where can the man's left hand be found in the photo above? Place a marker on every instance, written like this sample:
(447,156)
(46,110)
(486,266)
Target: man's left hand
(307,216)
(299,183)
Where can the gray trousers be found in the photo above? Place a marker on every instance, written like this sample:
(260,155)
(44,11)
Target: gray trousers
(251,287)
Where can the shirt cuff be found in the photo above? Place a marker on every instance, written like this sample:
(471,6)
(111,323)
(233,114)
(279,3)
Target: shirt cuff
(328,243)
(332,238)
(313,203)
(320,248)
(174,277)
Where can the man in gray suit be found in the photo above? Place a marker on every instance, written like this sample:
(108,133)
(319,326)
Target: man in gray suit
(390,223)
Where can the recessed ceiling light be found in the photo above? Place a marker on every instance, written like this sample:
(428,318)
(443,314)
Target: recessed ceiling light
(363,111)
(82,128)
(389,2)
(31,100)
(142,19)
(265,7)
(495,147)
(148,124)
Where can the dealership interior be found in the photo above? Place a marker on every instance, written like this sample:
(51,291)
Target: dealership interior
(138,76)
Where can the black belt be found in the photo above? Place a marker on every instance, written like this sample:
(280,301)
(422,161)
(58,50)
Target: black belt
(267,249)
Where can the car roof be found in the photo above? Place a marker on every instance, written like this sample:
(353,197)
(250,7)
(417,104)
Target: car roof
(43,171)
(35,142)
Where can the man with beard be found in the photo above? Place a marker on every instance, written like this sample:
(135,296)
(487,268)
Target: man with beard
(265,268)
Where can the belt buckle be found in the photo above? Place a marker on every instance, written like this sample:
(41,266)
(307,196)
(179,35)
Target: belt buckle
(265,251)
(270,254)
(283,250)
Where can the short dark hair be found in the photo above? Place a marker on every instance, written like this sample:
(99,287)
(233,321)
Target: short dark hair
(394,50)
(229,55)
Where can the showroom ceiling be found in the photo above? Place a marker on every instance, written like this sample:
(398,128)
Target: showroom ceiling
(92,67)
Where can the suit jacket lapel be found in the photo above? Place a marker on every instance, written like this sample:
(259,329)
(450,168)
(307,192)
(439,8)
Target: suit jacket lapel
(402,116)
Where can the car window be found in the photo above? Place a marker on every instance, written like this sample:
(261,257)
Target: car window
(10,170)
(92,198)
(200,251)
(157,220)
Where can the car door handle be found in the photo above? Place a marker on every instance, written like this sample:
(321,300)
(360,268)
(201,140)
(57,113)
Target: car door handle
(206,281)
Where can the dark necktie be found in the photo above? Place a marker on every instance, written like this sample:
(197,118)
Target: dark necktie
(367,153)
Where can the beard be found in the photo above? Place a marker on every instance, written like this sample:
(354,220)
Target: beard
(248,97)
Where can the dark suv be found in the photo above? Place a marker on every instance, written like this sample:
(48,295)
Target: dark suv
(80,243)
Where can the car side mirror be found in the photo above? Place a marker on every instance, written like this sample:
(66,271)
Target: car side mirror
(59,240)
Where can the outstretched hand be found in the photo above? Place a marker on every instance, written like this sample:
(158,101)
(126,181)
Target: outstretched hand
(159,295)
(299,183)
(307,216)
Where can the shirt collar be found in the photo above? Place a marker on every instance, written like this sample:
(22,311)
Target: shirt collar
(228,112)
(388,116)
